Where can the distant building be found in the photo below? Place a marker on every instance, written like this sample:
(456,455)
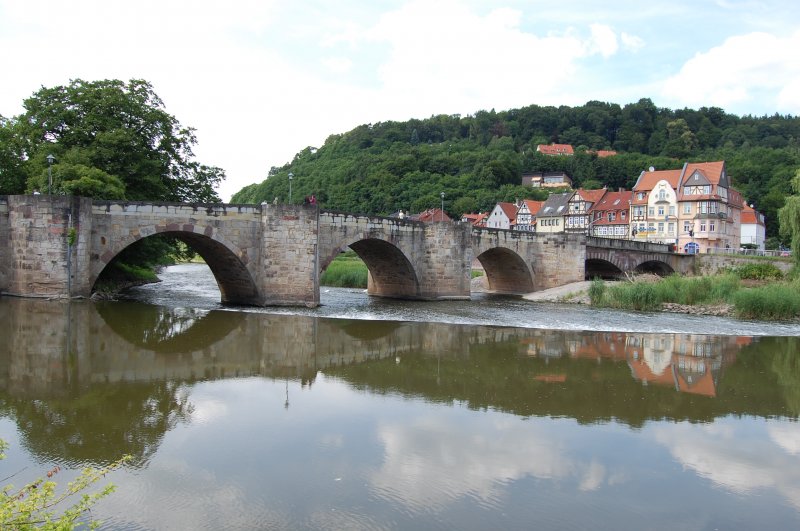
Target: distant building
(526,215)
(609,216)
(555,149)
(503,216)
(476,220)
(578,206)
(547,179)
(550,217)
(603,153)
(753,228)
(654,206)
(429,216)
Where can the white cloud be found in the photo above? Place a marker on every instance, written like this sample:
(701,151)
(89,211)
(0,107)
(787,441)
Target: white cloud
(736,457)
(631,42)
(339,65)
(738,71)
(603,41)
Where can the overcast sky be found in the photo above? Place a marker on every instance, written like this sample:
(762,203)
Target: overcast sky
(262,79)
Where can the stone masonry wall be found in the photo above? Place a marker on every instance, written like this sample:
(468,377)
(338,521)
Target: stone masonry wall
(289,258)
(5,256)
(709,264)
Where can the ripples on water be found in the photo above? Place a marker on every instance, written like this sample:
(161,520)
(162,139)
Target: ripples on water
(193,285)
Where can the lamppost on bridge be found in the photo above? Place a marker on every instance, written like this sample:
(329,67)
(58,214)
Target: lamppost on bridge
(441,217)
(291,176)
(50,160)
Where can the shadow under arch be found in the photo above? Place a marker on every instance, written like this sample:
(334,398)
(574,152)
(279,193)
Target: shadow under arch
(390,271)
(235,283)
(506,271)
(168,330)
(599,268)
(656,267)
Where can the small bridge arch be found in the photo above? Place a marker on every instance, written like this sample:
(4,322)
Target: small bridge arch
(506,271)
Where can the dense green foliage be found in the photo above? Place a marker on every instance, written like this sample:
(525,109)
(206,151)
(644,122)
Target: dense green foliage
(774,301)
(109,140)
(758,271)
(478,160)
(790,218)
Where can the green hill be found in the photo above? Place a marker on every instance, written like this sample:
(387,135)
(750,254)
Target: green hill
(479,159)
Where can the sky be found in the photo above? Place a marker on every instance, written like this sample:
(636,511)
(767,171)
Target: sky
(260,80)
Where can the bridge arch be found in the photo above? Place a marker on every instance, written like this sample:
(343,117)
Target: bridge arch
(391,273)
(506,271)
(600,268)
(657,267)
(228,264)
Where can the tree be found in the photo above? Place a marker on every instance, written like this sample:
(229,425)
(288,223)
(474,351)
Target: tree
(12,174)
(121,129)
(789,217)
(33,506)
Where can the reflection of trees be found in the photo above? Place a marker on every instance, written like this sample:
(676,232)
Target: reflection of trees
(786,365)
(499,376)
(168,330)
(100,424)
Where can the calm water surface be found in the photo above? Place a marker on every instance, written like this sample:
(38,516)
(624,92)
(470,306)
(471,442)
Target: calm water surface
(369,414)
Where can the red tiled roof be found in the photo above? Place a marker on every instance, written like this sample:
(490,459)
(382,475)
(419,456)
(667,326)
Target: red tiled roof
(592,196)
(533,206)
(510,210)
(750,216)
(613,202)
(648,179)
(555,149)
(430,215)
(712,170)
(602,153)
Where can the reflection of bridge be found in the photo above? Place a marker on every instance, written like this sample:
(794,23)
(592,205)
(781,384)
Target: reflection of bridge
(274,254)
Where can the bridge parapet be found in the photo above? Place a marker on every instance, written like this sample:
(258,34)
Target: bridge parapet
(630,245)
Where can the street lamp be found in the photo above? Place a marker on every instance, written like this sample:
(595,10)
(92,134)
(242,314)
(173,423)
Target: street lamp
(441,217)
(291,176)
(50,160)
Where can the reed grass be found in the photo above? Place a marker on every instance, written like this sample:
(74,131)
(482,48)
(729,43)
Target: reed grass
(346,271)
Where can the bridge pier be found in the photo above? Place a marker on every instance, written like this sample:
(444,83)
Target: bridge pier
(44,246)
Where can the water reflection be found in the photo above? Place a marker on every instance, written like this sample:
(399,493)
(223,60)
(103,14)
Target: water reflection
(406,420)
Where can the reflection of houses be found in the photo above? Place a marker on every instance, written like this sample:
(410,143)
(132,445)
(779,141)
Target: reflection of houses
(546,179)
(689,363)
(526,215)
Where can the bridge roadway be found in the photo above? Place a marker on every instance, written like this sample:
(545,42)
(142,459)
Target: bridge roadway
(57,246)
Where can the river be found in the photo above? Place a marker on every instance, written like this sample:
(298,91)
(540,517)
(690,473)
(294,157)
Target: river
(374,414)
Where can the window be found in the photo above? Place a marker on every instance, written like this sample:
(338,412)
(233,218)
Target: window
(687,208)
(612,216)
(702,226)
(639,195)
(661,228)
(660,211)
(671,210)
(662,195)
(651,211)
(687,226)
(711,226)
(671,228)
(623,214)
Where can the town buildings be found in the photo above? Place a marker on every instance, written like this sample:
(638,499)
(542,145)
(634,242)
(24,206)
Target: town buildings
(609,215)
(578,206)
(526,215)
(753,230)
(503,216)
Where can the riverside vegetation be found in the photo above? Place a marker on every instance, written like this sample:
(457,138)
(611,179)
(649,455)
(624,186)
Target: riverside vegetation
(754,291)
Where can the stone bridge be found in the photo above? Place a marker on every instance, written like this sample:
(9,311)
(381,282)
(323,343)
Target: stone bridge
(57,246)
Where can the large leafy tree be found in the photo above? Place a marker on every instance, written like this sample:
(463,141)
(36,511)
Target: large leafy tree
(107,133)
(789,217)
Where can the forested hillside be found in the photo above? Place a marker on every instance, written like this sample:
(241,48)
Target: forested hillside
(478,160)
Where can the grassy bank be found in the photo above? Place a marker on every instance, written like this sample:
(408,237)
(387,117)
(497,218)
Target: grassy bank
(753,292)
(346,271)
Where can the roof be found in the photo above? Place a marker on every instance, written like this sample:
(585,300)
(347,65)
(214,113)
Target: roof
(712,171)
(751,216)
(602,153)
(533,206)
(509,209)
(430,215)
(555,149)
(556,205)
(592,196)
(648,179)
(613,201)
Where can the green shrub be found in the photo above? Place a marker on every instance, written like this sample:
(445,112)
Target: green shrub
(597,290)
(776,301)
(345,272)
(758,271)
